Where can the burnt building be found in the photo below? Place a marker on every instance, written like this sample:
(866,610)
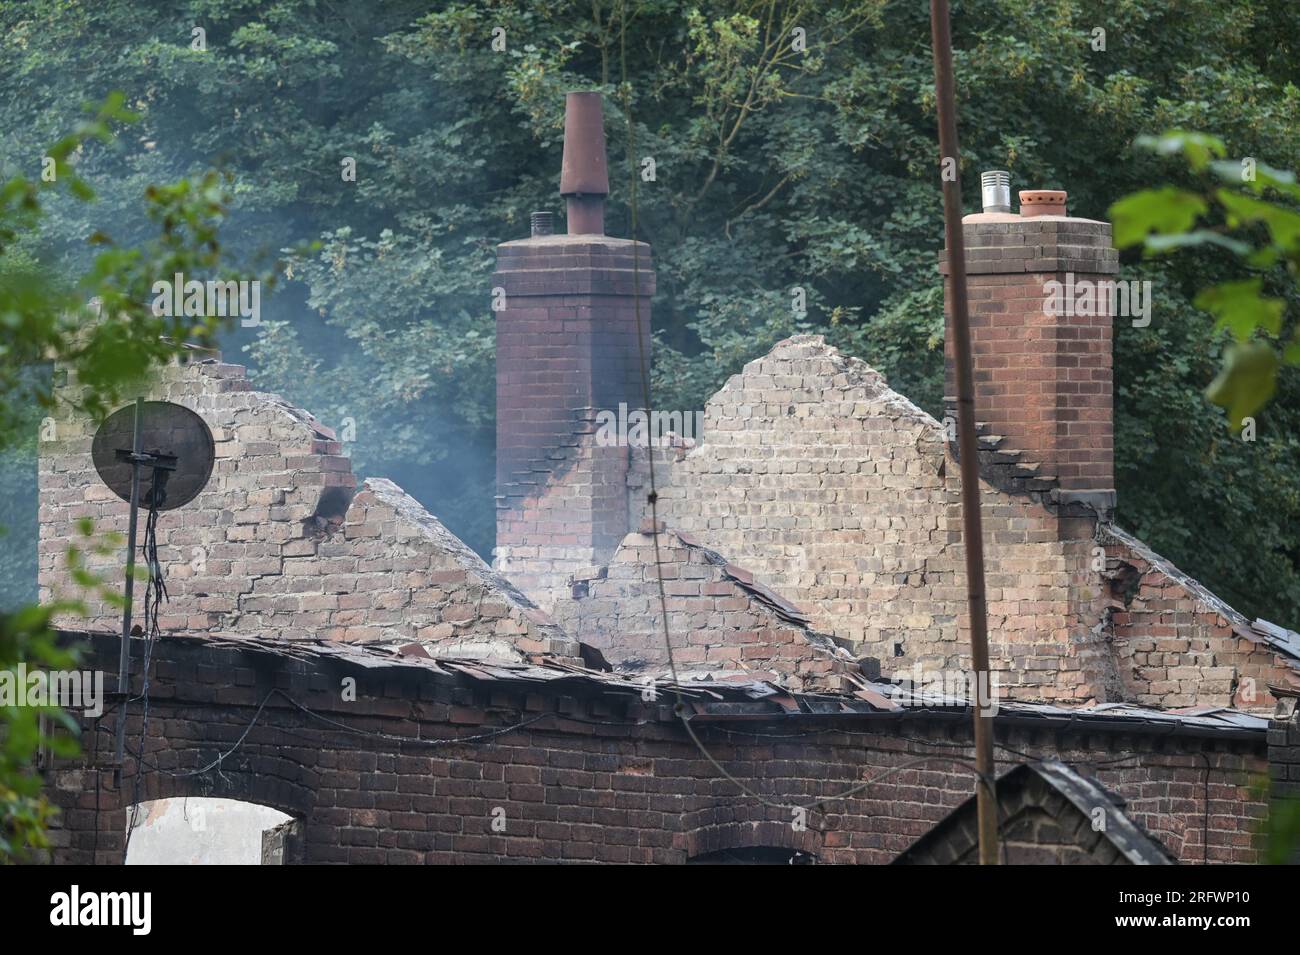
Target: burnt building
(765,665)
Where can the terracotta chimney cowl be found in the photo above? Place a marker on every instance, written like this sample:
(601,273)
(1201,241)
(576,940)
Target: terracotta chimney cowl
(1042,202)
(584,175)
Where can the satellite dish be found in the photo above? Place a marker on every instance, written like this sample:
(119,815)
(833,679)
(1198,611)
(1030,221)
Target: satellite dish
(177,442)
(160,455)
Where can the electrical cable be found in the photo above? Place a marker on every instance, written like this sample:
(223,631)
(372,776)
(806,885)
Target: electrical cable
(216,763)
(154,596)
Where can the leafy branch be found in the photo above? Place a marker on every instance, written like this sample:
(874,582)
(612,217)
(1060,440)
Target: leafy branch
(1251,215)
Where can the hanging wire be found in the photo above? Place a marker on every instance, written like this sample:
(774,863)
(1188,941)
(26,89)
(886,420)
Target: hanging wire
(155,595)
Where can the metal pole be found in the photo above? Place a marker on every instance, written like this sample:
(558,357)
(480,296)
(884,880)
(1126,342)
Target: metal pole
(124,657)
(972,532)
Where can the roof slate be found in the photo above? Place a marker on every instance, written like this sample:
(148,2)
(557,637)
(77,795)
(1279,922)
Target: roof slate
(738,698)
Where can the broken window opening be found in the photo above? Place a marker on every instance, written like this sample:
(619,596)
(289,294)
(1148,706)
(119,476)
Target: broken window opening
(207,831)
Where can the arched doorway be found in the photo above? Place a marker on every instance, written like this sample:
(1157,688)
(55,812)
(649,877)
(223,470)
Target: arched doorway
(192,830)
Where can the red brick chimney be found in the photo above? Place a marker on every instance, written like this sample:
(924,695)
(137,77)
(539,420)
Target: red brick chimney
(1042,351)
(567,348)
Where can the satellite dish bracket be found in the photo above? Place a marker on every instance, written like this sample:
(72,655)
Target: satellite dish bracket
(165,422)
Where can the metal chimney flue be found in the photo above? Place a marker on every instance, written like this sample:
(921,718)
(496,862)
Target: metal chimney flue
(543,223)
(995,190)
(584,176)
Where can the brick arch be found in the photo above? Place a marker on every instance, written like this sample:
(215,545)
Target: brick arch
(260,770)
(95,825)
(250,785)
(750,835)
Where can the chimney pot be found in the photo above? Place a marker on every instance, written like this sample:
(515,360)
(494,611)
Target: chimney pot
(1042,202)
(582,170)
(584,178)
(995,189)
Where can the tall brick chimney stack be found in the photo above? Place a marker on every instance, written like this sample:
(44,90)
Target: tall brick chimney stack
(567,348)
(1042,371)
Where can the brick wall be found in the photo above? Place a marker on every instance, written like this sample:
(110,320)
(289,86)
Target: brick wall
(567,348)
(281,542)
(595,776)
(1284,772)
(1284,750)
(839,493)
(1176,643)
(1042,380)
(824,482)
(1048,814)
(815,478)
(720,619)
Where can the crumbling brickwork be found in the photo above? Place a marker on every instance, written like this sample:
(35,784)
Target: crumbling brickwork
(574,771)
(815,478)
(818,478)
(720,619)
(843,495)
(1176,644)
(281,543)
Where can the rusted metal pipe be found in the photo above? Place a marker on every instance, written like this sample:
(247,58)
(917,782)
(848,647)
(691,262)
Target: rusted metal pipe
(584,174)
(972,530)
(585,215)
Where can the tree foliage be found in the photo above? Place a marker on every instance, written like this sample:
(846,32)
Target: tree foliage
(1255,218)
